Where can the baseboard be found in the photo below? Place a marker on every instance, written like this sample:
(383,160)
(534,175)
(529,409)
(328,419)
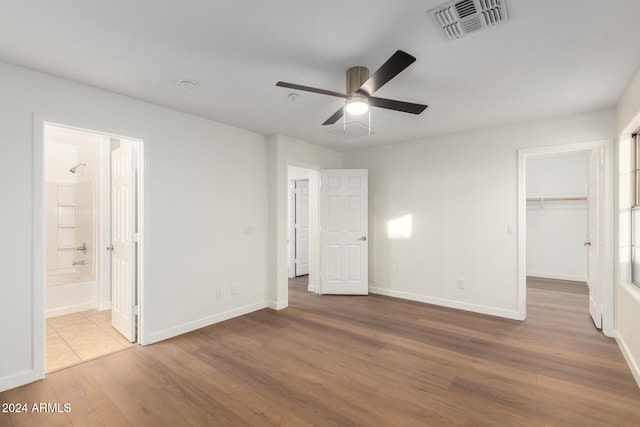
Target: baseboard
(492,311)
(201,323)
(104,306)
(71,309)
(311,288)
(557,276)
(634,365)
(16,380)
(277,305)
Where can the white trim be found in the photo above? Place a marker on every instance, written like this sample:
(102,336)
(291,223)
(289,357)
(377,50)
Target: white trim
(522,234)
(142,160)
(38,253)
(607,270)
(16,380)
(104,234)
(103,306)
(291,228)
(277,305)
(203,322)
(314,230)
(628,356)
(312,288)
(557,276)
(508,314)
(68,309)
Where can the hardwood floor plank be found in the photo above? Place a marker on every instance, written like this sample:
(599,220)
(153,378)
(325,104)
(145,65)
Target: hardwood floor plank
(359,361)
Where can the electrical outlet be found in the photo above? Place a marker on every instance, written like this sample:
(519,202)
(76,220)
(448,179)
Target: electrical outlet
(460,284)
(219,293)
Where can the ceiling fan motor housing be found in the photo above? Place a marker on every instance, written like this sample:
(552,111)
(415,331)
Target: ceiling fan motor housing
(356,76)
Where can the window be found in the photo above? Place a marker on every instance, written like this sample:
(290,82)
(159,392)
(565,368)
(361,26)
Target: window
(635,209)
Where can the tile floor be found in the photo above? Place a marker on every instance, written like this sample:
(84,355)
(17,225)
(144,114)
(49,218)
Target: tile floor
(78,337)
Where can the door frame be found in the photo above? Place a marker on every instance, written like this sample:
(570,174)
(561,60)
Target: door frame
(606,199)
(38,239)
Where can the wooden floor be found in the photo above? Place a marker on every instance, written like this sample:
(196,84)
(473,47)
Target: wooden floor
(357,361)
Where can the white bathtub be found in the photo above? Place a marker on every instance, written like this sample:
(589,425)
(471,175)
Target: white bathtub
(70,292)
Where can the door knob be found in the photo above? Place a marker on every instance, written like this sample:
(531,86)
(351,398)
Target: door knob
(587,243)
(110,248)
(363,238)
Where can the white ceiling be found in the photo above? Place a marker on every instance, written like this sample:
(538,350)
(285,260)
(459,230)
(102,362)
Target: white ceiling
(553,57)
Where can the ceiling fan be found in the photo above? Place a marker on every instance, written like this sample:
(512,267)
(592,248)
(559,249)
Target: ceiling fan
(361,86)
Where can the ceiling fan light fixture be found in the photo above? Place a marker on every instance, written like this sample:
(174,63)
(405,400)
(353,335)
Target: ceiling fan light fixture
(357,104)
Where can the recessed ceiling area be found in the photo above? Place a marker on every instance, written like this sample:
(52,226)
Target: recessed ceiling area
(550,58)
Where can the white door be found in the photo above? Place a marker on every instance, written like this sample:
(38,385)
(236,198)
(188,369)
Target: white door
(593,244)
(123,246)
(301,227)
(344,231)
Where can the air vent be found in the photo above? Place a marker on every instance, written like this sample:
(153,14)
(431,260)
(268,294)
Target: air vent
(458,18)
(349,130)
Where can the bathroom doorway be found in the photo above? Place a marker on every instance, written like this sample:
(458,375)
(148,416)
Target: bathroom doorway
(91,209)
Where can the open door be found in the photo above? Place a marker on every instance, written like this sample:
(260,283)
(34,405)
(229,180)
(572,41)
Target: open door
(123,237)
(344,231)
(301,227)
(594,242)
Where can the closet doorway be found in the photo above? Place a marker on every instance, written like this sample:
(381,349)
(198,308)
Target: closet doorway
(565,210)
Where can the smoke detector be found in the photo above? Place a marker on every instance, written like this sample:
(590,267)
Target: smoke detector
(456,19)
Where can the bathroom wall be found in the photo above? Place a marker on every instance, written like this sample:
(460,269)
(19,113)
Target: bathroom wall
(71,198)
(59,210)
(88,200)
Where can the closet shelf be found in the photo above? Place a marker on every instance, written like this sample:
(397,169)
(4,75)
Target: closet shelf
(557,199)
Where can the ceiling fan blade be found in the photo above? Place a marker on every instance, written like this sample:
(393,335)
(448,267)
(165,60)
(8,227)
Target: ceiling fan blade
(335,117)
(394,66)
(310,89)
(392,104)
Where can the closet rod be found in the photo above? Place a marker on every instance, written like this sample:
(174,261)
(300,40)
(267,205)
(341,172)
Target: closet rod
(555,199)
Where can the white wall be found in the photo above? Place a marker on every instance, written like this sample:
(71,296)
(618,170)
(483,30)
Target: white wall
(88,203)
(461,191)
(556,231)
(60,157)
(627,295)
(204,181)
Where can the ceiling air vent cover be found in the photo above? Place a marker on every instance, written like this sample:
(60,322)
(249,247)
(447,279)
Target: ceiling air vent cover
(459,18)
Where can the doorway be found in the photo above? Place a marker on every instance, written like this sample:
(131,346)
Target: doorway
(302,226)
(298,230)
(565,206)
(86,207)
